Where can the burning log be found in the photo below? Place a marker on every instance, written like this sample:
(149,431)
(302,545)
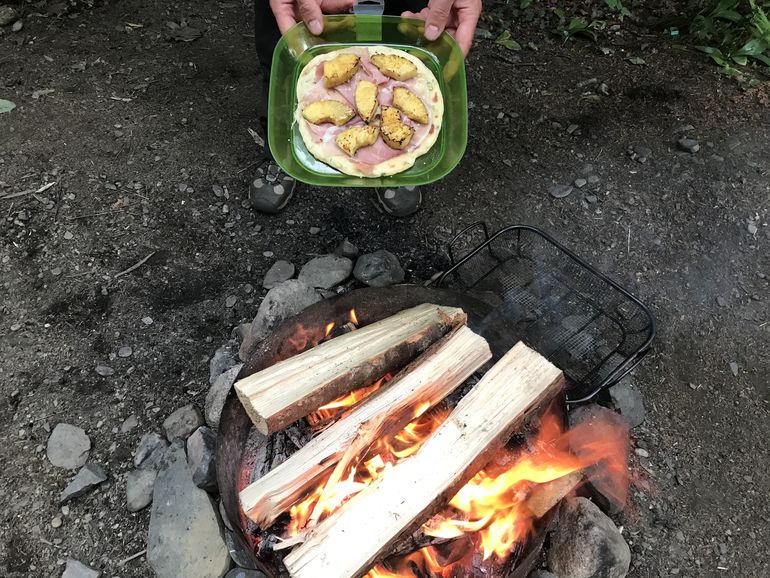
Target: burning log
(424,383)
(279,395)
(349,542)
(546,496)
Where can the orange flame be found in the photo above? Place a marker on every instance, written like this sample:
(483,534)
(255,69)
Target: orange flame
(324,500)
(335,407)
(353,317)
(492,508)
(328,330)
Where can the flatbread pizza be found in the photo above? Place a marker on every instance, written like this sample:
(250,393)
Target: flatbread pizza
(368,111)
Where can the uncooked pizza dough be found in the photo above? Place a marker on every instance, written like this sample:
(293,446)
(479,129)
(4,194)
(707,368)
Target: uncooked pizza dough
(377,159)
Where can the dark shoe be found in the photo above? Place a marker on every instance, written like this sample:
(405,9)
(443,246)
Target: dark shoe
(400,201)
(271,188)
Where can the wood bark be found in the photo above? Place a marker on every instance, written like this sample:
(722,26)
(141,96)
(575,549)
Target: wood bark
(289,390)
(347,544)
(425,382)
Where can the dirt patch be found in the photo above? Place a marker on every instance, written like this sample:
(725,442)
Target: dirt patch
(134,116)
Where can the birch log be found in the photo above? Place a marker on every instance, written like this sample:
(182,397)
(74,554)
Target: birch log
(291,389)
(347,544)
(426,381)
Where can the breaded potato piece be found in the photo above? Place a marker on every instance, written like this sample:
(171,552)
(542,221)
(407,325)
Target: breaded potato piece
(394,66)
(395,133)
(340,69)
(408,103)
(366,99)
(324,111)
(357,137)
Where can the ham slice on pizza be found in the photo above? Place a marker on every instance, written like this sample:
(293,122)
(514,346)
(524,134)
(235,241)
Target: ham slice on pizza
(368,111)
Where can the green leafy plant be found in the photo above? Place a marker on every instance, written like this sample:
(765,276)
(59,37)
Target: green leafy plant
(618,7)
(507,41)
(733,33)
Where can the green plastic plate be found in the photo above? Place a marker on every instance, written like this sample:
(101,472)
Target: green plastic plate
(297,47)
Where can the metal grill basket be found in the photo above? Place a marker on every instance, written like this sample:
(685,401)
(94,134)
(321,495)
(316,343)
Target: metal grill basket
(543,294)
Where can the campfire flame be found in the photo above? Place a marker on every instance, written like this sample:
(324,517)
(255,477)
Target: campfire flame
(332,409)
(490,516)
(492,508)
(326,499)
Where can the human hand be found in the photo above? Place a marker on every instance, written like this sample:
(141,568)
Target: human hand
(458,17)
(289,12)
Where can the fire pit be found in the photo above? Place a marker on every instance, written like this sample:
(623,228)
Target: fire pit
(515,285)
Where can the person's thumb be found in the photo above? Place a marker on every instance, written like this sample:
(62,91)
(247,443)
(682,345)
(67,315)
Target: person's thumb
(310,11)
(438,16)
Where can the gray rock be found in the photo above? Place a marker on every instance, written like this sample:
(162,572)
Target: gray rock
(185,535)
(104,370)
(593,179)
(237,553)
(642,453)
(149,451)
(592,199)
(314,230)
(586,543)
(280,271)
(734,369)
(347,249)
(139,486)
(640,154)
(599,421)
(130,423)
(280,303)
(542,574)
(628,401)
(244,573)
(201,458)
(68,446)
(378,269)
(326,271)
(217,395)
(222,360)
(230,301)
(689,145)
(125,351)
(182,422)
(580,183)
(75,569)
(559,191)
(89,476)
(7,15)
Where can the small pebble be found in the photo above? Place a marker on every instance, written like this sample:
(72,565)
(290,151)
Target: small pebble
(752,229)
(580,183)
(65,510)
(593,179)
(559,191)
(315,230)
(104,370)
(125,351)
(642,453)
(147,320)
(231,301)
(592,198)
(267,254)
(734,368)
(57,521)
(68,235)
(721,301)
(689,145)
(217,190)
(248,288)
(15,326)
(56,271)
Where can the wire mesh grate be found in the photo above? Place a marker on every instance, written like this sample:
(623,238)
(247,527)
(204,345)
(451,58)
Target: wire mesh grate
(548,297)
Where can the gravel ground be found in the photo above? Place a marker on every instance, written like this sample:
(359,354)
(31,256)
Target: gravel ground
(134,128)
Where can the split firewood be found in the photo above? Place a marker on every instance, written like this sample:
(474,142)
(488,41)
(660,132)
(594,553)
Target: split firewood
(422,384)
(546,496)
(347,544)
(291,389)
